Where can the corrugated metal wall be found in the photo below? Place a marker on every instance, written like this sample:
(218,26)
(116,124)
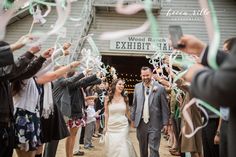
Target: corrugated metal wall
(21,27)
(108,20)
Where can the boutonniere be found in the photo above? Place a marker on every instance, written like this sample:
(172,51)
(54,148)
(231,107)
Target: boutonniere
(154,89)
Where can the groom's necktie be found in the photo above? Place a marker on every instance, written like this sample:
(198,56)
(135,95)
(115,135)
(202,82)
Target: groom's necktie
(146,107)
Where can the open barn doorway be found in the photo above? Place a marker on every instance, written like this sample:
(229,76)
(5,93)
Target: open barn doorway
(128,68)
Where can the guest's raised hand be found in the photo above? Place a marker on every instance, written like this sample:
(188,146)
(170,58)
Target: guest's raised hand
(66,45)
(88,71)
(35,49)
(114,77)
(192,45)
(98,74)
(197,59)
(47,53)
(156,77)
(166,60)
(20,43)
(103,79)
(66,52)
(74,64)
(192,71)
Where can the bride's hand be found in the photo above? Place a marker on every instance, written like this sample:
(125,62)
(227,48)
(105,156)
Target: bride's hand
(104,131)
(132,124)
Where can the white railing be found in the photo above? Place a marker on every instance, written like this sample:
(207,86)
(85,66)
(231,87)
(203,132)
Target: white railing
(86,16)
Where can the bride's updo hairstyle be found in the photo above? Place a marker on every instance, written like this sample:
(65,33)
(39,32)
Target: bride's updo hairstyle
(112,89)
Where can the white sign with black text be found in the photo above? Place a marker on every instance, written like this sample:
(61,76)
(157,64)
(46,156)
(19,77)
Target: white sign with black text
(139,43)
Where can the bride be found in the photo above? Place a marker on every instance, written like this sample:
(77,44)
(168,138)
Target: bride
(117,143)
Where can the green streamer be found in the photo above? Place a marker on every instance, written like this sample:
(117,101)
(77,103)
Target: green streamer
(31,7)
(185,62)
(45,3)
(102,121)
(153,22)
(63,3)
(180,75)
(209,107)
(216,39)
(151,18)
(155,33)
(7,4)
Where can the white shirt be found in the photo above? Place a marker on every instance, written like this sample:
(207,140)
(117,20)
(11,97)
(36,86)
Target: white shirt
(91,114)
(28,97)
(147,91)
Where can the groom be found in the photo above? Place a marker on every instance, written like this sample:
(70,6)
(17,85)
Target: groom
(149,113)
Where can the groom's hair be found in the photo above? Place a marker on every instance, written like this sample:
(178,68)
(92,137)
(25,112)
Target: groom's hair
(146,68)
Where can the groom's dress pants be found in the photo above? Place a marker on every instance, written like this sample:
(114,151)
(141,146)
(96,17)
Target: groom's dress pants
(148,137)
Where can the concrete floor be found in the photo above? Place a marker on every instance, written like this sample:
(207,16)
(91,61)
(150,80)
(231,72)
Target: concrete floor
(98,151)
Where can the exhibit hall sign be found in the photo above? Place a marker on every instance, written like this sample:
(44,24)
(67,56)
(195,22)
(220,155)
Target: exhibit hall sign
(140,43)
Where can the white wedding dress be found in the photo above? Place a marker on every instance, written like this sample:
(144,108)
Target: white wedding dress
(117,142)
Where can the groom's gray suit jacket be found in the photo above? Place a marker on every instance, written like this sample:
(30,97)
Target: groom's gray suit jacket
(158,106)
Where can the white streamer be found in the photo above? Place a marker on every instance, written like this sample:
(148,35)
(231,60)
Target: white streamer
(122,33)
(63,14)
(5,16)
(188,120)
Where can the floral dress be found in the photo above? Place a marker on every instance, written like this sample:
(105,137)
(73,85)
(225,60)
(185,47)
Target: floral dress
(27,120)
(27,130)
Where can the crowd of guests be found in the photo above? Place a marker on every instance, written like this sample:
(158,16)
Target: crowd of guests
(44,101)
(212,86)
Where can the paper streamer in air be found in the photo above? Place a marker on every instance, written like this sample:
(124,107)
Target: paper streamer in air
(188,118)
(63,14)
(213,32)
(200,104)
(5,16)
(127,10)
